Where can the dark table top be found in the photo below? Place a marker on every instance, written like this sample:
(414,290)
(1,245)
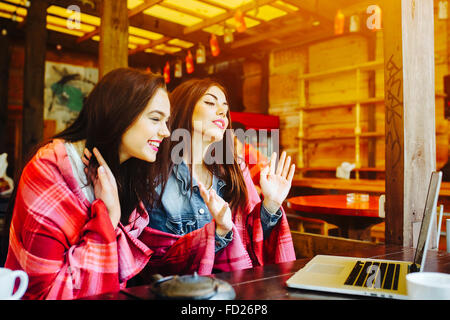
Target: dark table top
(269,282)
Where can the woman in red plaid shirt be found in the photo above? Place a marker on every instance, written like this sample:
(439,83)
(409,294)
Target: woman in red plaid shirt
(76,230)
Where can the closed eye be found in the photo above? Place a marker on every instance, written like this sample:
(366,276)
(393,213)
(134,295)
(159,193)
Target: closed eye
(210,103)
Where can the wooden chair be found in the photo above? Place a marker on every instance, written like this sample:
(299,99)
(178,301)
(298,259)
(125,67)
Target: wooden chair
(309,225)
(307,245)
(377,233)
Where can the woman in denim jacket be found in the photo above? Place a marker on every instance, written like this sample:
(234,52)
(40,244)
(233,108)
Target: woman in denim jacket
(210,216)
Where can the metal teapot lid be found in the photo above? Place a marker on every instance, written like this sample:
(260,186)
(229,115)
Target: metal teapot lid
(192,287)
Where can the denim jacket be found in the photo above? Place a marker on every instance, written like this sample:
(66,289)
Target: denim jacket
(181,213)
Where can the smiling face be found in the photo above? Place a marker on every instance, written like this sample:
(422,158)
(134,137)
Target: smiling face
(210,115)
(141,140)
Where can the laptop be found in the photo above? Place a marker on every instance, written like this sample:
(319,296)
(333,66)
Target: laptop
(372,277)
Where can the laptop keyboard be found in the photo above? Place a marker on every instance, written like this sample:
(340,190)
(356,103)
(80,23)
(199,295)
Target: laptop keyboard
(374,275)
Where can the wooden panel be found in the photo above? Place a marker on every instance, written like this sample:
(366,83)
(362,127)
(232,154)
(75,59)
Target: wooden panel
(286,96)
(252,86)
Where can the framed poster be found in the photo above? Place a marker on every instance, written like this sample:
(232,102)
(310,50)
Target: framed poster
(66,87)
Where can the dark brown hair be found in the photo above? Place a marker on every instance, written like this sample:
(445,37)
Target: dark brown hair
(183,100)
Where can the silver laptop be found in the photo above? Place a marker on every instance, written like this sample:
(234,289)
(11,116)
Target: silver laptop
(373,277)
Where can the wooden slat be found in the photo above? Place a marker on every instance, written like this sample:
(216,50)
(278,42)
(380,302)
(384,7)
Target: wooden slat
(269,35)
(131,13)
(222,17)
(370,65)
(309,244)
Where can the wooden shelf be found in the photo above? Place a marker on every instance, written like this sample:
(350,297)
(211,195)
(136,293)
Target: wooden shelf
(348,136)
(367,66)
(350,103)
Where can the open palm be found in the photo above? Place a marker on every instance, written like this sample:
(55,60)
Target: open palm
(276,181)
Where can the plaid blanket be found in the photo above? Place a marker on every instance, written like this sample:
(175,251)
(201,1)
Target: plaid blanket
(67,246)
(195,251)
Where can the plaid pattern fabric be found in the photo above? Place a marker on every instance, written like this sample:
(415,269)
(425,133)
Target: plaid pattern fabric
(67,246)
(175,254)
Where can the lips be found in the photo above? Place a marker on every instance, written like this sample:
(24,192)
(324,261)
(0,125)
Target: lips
(220,123)
(154,144)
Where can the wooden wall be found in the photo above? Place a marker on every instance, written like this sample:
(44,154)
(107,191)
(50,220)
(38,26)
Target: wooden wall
(325,120)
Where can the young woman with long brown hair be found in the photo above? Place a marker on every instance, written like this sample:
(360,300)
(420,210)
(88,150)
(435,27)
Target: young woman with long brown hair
(210,216)
(77,224)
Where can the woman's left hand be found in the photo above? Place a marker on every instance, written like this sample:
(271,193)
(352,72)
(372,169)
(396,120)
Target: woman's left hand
(275,184)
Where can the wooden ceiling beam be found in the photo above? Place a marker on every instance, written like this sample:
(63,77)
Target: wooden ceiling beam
(167,28)
(314,9)
(268,36)
(222,17)
(208,22)
(131,13)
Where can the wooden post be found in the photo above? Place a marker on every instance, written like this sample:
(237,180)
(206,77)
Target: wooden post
(113,47)
(410,114)
(358,124)
(34,73)
(5,57)
(371,108)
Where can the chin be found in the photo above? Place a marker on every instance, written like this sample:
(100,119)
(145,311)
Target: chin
(147,157)
(214,136)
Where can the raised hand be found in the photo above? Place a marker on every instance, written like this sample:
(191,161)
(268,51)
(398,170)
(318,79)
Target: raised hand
(219,210)
(276,182)
(105,186)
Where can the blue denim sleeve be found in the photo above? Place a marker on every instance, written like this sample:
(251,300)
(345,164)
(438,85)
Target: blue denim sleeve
(269,220)
(222,242)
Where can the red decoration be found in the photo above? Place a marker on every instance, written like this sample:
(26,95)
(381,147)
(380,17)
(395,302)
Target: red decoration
(215,50)
(189,62)
(240,21)
(167,72)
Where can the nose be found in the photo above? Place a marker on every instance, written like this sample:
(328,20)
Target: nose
(164,131)
(222,111)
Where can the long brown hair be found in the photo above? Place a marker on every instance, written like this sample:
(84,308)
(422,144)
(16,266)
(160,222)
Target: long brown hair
(183,100)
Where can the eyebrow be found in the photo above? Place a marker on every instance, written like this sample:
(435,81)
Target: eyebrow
(215,97)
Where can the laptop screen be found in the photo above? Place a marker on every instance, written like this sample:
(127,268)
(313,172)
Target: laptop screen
(428,215)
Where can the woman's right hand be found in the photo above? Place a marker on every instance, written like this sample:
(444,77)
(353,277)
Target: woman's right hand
(219,210)
(105,186)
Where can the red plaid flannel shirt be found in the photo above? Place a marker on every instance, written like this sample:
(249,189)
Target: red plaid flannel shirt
(68,247)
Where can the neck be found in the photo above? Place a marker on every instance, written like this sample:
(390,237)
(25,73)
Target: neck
(199,170)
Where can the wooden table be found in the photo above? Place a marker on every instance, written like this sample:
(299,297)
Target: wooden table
(269,282)
(353,219)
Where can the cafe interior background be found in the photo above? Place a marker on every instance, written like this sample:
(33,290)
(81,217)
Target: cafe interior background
(314,69)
